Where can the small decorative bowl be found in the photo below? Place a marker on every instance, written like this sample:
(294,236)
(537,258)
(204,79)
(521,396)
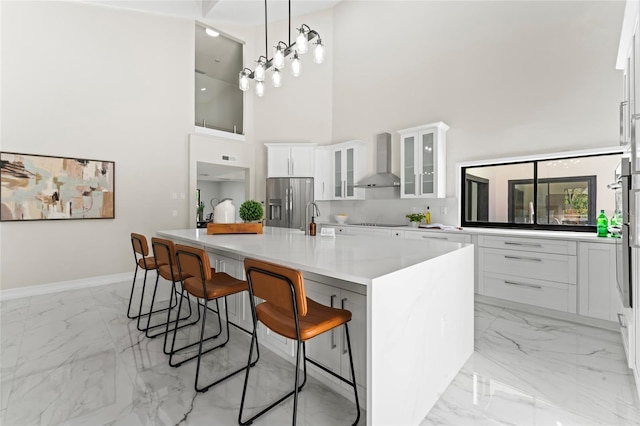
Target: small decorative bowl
(341,218)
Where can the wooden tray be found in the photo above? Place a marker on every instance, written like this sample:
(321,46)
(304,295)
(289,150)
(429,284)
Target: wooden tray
(234,228)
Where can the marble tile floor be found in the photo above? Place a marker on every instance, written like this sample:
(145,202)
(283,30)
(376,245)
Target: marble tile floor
(73,358)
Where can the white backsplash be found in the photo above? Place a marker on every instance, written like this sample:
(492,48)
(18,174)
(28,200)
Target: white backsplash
(390,211)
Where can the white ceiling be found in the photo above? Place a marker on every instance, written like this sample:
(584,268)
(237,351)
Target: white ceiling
(238,12)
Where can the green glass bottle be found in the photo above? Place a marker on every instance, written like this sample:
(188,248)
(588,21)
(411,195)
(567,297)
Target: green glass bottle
(602,224)
(615,224)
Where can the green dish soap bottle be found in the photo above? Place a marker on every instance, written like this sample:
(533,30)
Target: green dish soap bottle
(602,225)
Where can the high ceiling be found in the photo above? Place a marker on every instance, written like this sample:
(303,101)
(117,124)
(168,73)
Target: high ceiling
(238,12)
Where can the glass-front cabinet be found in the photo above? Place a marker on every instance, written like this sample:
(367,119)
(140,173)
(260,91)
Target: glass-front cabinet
(347,170)
(422,158)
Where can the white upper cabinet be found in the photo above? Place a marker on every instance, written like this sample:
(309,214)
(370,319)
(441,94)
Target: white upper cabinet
(323,176)
(422,161)
(290,160)
(347,170)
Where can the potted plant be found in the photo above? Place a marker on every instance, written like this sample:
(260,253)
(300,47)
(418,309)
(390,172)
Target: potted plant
(415,218)
(251,211)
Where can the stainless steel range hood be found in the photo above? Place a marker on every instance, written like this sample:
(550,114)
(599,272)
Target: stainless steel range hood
(383,177)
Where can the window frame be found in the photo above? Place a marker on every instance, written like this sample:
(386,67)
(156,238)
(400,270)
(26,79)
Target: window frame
(462,184)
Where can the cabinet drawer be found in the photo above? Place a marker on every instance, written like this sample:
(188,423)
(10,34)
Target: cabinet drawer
(528,244)
(426,235)
(543,266)
(369,232)
(541,293)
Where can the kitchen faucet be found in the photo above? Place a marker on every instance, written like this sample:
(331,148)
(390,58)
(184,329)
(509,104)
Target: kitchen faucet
(306,214)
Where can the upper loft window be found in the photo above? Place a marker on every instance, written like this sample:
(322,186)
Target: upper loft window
(552,194)
(218,100)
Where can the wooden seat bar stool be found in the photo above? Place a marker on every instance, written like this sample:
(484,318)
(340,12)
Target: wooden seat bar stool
(201,281)
(146,263)
(165,256)
(286,310)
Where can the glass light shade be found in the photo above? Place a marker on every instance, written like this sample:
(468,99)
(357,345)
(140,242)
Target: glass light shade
(243,81)
(260,88)
(211,32)
(278,58)
(276,78)
(318,52)
(258,74)
(296,66)
(301,42)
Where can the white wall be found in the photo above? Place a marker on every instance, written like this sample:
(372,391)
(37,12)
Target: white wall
(96,82)
(299,110)
(510,78)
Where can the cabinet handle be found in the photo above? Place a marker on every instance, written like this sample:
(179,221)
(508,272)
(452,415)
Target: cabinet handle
(435,238)
(523,284)
(511,243)
(620,321)
(292,168)
(530,259)
(344,335)
(333,331)
(622,129)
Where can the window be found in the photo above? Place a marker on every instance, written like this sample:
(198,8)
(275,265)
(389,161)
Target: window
(553,194)
(219,103)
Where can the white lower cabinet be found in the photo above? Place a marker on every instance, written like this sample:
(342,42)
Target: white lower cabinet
(376,232)
(598,294)
(330,348)
(546,294)
(431,235)
(355,230)
(526,270)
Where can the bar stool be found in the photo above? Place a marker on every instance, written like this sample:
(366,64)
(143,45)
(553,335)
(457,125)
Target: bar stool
(286,310)
(201,281)
(165,256)
(144,262)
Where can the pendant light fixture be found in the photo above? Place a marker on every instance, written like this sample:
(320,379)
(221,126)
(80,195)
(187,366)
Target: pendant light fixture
(281,51)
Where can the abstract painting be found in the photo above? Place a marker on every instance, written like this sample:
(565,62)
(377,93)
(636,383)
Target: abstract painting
(37,187)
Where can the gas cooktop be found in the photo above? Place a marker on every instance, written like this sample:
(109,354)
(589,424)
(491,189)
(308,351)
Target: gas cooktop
(384,225)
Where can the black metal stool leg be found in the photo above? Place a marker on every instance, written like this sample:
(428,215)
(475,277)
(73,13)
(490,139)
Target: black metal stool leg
(133,286)
(174,350)
(353,374)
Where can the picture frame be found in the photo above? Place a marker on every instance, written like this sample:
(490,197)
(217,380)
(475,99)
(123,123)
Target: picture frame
(44,187)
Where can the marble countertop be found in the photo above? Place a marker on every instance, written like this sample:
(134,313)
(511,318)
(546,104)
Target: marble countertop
(524,233)
(358,259)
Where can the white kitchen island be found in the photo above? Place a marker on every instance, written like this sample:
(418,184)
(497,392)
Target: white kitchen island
(419,305)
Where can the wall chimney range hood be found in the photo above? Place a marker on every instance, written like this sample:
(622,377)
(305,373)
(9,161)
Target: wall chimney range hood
(383,177)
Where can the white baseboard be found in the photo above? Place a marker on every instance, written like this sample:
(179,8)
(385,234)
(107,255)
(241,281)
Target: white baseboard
(36,290)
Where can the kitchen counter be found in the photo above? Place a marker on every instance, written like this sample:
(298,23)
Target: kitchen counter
(350,259)
(419,305)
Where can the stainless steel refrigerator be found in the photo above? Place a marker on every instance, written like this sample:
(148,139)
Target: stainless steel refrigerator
(287,199)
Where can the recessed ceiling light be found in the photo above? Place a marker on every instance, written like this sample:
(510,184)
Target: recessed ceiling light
(203,89)
(217,59)
(211,32)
